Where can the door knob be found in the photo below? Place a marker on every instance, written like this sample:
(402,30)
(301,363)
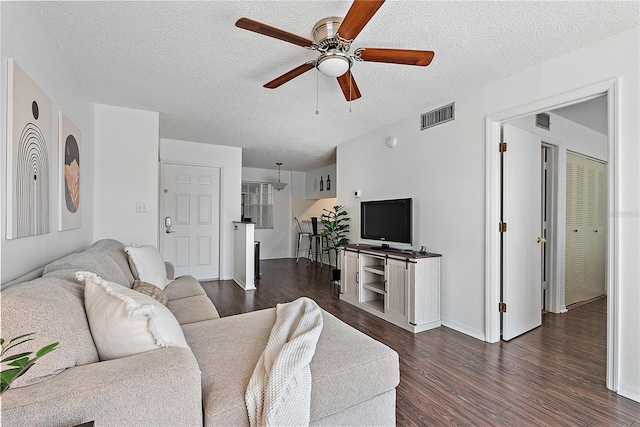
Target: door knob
(167,224)
(541,240)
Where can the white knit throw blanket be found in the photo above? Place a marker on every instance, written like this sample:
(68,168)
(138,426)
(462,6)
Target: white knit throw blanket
(279,391)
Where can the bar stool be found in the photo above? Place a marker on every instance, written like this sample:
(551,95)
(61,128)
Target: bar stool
(317,241)
(302,235)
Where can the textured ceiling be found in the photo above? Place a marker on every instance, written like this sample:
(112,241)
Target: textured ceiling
(188,61)
(591,114)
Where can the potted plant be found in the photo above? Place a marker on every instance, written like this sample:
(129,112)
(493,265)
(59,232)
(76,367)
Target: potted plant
(19,363)
(335,227)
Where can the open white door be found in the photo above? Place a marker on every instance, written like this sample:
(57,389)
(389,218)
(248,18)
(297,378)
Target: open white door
(191,219)
(521,247)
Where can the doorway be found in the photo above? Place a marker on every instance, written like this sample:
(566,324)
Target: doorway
(190,221)
(493,214)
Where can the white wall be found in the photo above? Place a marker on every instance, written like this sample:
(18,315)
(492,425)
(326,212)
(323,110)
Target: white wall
(315,176)
(229,160)
(443,169)
(26,38)
(126,172)
(568,135)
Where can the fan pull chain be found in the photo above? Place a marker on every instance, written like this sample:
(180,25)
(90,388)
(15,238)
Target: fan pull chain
(317,92)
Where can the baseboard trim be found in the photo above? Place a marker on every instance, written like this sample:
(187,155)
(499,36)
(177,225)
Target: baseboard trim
(632,393)
(464,329)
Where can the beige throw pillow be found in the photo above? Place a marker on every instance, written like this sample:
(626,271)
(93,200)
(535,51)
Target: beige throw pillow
(147,265)
(151,290)
(125,322)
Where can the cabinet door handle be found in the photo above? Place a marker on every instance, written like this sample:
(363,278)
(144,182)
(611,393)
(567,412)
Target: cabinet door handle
(357,277)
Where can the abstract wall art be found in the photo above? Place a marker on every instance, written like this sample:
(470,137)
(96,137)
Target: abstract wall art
(28,141)
(69,190)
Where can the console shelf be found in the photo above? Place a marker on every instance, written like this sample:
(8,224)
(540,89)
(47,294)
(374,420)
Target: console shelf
(400,287)
(377,287)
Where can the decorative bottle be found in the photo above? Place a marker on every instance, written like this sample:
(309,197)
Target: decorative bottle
(321,184)
(328,183)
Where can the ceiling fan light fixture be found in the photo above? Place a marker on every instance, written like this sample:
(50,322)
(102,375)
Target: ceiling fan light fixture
(333,64)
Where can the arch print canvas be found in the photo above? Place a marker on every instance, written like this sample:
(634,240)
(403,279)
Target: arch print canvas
(69,163)
(28,156)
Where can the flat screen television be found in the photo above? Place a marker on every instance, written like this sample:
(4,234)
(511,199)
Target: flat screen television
(387,221)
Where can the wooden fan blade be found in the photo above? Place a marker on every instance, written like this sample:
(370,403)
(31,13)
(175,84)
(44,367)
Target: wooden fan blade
(349,86)
(276,33)
(397,56)
(278,81)
(359,14)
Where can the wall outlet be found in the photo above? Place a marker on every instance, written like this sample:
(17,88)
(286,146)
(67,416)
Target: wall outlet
(141,207)
(356,193)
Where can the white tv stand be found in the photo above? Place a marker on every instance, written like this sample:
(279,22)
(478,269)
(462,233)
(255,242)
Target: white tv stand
(400,287)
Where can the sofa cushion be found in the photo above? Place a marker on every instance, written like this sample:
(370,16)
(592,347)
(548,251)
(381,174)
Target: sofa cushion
(157,388)
(183,287)
(115,250)
(147,265)
(193,309)
(124,322)
(53,309)
(104,266)
(348,367)
(152,290)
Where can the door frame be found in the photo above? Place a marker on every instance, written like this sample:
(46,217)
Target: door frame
(492,210)
(161,205)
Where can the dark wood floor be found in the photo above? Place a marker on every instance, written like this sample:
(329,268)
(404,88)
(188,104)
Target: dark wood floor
(551,376)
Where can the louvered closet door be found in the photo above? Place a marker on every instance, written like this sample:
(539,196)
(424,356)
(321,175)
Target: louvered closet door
(585,245)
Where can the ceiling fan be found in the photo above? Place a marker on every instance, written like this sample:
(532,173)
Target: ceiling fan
(332,37)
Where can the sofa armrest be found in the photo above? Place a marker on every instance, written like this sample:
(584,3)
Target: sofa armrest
(160,387)
(171,273)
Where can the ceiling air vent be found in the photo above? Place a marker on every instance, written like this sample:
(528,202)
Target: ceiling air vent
(437,116)
(543,120)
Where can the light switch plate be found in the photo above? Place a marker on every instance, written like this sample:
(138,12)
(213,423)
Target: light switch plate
(141,207)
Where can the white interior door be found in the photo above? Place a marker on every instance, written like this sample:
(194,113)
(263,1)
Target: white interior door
(191,235)
(521,250)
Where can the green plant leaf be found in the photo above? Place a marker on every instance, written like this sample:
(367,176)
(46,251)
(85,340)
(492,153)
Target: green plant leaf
(21,362)
(15,356)
(46,349)
(8,375)
(4,350)
(21,336)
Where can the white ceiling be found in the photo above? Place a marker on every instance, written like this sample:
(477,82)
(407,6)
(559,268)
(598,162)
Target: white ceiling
(188,61)
(591,114)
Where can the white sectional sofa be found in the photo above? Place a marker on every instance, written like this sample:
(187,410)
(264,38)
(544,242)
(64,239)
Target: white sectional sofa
(354,376)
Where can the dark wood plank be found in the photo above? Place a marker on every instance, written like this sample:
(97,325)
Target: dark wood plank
(553,375)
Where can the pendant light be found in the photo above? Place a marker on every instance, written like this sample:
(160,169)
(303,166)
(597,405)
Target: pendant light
(279,185)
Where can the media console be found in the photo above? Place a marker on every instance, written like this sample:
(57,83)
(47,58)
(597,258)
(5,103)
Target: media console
(400,287)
